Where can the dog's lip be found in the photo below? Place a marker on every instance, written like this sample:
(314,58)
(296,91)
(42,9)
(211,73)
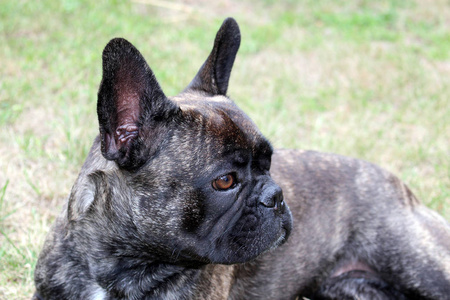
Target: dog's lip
(283,235)
(352,266)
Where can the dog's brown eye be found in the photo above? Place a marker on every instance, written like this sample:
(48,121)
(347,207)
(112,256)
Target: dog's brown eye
(224,182)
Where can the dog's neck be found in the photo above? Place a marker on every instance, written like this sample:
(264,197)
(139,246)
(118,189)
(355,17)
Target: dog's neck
(130,278)
(125,278)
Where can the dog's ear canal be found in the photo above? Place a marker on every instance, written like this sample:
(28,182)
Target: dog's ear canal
(131,105)
(214,75)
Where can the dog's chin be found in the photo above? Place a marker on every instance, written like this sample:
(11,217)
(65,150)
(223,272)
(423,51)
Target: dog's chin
(228,251)
(283,233)
(252,250)
(280,240)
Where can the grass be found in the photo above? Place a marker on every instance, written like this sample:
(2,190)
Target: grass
(367,79)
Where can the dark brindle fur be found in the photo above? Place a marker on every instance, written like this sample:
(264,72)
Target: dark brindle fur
(175,201)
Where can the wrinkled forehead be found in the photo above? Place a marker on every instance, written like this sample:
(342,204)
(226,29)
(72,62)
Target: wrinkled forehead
(224,120)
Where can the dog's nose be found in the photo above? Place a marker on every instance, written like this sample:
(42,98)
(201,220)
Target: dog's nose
(274,200)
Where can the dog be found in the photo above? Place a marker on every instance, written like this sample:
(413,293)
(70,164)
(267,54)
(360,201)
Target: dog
(183,198)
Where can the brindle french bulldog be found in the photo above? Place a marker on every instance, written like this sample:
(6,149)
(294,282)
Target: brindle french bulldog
(178,200)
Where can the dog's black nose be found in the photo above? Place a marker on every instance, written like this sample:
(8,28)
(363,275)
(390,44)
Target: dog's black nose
(274,199)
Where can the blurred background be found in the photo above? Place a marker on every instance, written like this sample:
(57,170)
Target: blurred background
(368,79)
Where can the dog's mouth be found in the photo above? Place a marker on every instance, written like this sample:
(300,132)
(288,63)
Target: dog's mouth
(286,228)
(282,238)
(353,266)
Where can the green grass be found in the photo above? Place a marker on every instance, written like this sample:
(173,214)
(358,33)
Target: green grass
(367,79)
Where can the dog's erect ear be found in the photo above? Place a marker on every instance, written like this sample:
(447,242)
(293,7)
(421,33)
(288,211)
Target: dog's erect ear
(130,105)
(214,75)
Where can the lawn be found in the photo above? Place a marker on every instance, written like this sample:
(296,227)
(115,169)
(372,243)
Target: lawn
(368,79)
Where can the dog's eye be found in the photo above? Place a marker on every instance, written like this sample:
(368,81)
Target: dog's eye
(224,182)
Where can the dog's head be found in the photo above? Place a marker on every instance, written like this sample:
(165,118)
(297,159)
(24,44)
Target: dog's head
(194,168)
